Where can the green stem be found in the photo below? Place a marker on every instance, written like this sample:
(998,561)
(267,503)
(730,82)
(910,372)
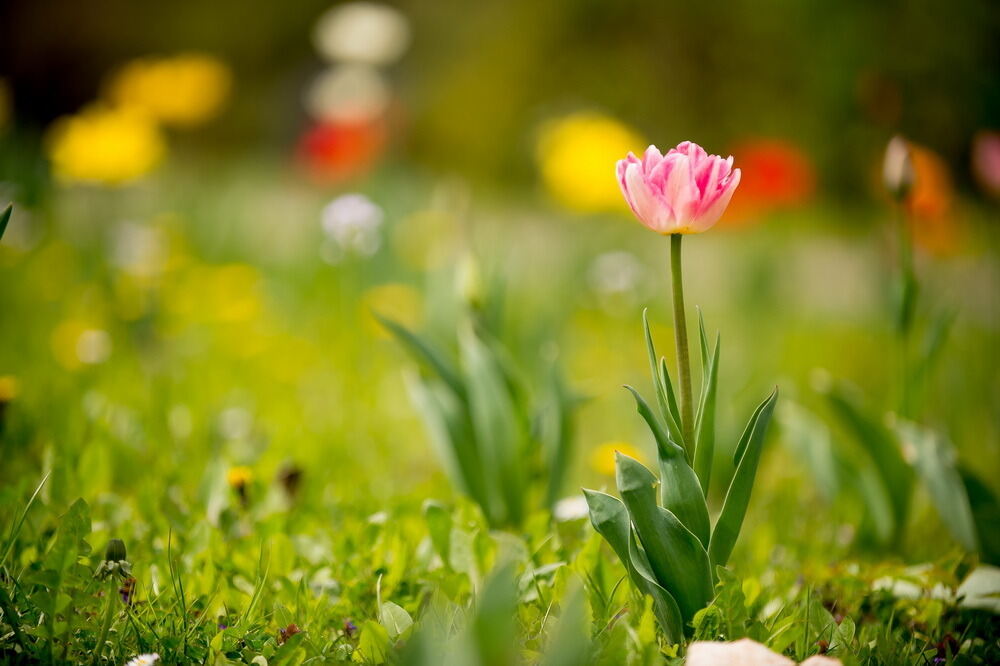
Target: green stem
(907,301)
(681,338)
(110,594)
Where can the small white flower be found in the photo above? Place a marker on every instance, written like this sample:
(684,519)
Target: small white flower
(144,660)
(352,222)
(570,508)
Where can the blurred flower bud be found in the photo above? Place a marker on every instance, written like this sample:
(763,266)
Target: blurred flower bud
(353,223)
(897,168)
(115,551)
(114,562)
(469,282)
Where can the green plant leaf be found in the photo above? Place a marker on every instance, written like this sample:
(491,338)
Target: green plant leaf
(451,434)
(439,526)
(662,386)
(610,519)
(680,491)
(676,557)
(727,527)
(935,463)
(495,424)
(373,644)
(5,218)
(704,443)
(878,442)
(425,353)
(986,513)
(395,619)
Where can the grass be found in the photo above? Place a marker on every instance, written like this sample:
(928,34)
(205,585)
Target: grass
(229,344)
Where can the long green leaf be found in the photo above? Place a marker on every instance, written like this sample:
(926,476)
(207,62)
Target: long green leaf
(425,353)
(450,429)
(610,519)
(495,424)
(727,527)
(674,422)
(878,442)
(704,450)
(676,557)
(5,218)
(935,463)
(680,491)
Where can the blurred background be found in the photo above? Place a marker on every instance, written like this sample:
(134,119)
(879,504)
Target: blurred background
(211,198)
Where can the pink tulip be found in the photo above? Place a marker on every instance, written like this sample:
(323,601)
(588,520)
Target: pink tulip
(682,192)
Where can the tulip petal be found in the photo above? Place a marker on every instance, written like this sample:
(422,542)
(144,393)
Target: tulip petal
(650,208)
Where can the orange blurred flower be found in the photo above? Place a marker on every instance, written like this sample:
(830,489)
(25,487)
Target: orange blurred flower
(930,202)
(776,174)
(338,151)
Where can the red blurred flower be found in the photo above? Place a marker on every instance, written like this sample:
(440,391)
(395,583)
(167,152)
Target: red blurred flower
(776,174)
(338,151)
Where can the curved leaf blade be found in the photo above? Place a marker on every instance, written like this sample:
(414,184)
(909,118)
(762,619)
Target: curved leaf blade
(727,527)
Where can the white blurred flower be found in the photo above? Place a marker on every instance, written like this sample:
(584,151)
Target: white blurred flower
(348,94)
(364,32)
(93,346)
(235,423)
(353,223)
(144,660)
(570,508)
(139,250)
(615,273)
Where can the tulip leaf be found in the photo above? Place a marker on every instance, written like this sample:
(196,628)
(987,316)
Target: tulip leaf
(673,423)
(676,557)
(935,463)
(680,491)
(877,441)
(610,519)
(424,352)
(5,218)
(451,434)
(495,423)
(748,451)
(704,451)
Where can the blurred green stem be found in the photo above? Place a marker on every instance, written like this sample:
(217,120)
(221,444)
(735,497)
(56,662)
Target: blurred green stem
(906,304)
(681,338)
(110,596)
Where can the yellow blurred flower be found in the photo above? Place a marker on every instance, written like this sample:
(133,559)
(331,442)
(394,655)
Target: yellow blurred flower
(576,155)
(399,302)
(238,477)
(104,145)
(182,91)
(602,459)
(9,388)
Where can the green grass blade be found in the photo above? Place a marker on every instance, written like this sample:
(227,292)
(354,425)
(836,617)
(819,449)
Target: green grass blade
(704,451)
(5,218)
(676,557)
(425,353)
(15,529)
(610,519)
(680,491)
(727,528)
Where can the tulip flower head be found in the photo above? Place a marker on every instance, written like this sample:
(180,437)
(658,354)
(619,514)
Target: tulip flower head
(683,192)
